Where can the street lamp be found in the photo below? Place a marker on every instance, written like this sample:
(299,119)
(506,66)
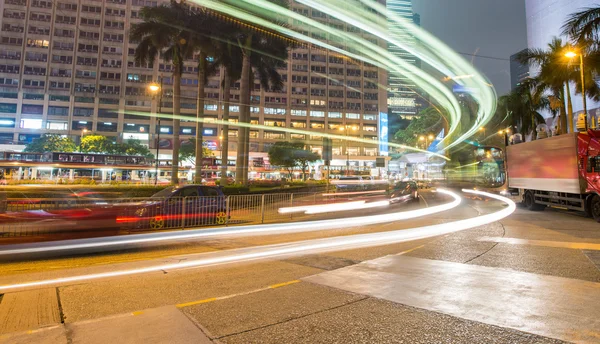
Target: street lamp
(571,54)
(154,89)
(345,130)
(81,138)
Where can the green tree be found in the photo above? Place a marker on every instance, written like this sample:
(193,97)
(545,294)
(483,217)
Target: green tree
(51,143)
(165,32)
(97,144)
(292,154)
(188,153)
(133,147)
(429,121)
(523,105)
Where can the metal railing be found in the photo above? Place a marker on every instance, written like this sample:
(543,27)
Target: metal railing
(26,217)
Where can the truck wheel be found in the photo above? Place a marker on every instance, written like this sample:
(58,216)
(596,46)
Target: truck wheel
(529,201)
(595,208)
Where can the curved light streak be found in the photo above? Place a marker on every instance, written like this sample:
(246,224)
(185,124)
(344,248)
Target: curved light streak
(429,49)
(313,246)
(281,129)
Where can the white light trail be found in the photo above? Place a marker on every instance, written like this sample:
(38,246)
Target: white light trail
(370,205)
(330,207)
(279,228)
(298,248)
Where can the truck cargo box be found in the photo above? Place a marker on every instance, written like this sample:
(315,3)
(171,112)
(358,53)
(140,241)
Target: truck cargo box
(547,165)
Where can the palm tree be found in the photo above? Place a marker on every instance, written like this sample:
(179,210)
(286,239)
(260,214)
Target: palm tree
(228,57)
(523,105)
(555,73)
(163,32)
(263,50)
(205,28)
(583,26)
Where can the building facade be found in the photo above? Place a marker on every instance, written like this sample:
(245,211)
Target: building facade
(518,72)
(402,95)
(544,21)
(67,67)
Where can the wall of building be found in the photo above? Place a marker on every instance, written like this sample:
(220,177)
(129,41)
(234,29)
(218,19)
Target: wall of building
(544,21)
(67,65)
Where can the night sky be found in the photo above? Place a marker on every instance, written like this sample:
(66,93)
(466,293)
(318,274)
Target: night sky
(482,27)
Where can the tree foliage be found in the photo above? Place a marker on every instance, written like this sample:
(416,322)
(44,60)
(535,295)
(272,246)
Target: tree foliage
(429,121)
(102,145)
(51,143)
(187,152)
(292,154)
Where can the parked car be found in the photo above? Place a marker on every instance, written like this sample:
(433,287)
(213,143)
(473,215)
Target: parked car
(349,183)
(192,205)
(404,191)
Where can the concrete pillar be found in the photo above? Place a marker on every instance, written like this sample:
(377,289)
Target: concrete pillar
(19,173)
(71,174)
(33,173)
(103,176)
(26,173)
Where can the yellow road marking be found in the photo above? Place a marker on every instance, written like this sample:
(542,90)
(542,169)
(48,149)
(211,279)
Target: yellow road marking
(137,313)
(412,249)
(555,244)
(283,284)
(187,304)
(193,303)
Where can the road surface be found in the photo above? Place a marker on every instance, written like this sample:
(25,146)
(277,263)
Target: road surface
(531,278)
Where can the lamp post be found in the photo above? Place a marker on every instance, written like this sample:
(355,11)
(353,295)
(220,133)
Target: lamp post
(81,138)
(571,55)
(345,130)
(156,88)
(482,129)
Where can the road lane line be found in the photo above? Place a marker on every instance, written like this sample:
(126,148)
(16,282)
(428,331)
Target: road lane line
(313,246)
(283,284)
(546,243)
(212,299)
(187,304)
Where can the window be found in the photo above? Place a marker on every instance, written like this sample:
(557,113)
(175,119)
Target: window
(58,110)
(368,117)
(107,126)
(274,135)
(59,98)
(7,122)
(317,114)
(298,124)
(32,109)
(317,102)
(90,21)
(371,128)
(271,123)
(34,83)
(107,113)
(8,108)
(274,111)
(57,125)
(30,123)
(335,115)
(9,82)
(317,125)
(353,116)
(83,112)
(298,112)
(59,85)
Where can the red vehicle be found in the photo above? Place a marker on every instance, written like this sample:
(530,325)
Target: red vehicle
(559,171)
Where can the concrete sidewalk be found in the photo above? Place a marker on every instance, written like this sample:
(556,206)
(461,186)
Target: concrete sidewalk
(159,325)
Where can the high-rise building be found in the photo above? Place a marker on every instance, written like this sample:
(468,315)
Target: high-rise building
(518,71)
(402,95)
(67,65)
(544,21)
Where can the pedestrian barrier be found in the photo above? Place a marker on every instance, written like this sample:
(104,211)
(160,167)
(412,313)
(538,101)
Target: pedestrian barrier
(26,217)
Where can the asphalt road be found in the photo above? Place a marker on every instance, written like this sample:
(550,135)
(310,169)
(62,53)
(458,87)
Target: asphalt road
(531,278)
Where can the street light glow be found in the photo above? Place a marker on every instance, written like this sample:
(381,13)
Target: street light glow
(154,87)
(571,54)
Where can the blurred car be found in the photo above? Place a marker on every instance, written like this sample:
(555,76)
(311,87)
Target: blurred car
(404,191)
(60,220)
(195,204)
(349,183)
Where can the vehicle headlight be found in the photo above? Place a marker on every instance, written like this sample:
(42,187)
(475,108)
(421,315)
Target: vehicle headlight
(140,212)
